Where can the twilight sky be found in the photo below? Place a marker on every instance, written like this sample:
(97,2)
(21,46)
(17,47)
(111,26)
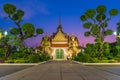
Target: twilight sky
(45,14)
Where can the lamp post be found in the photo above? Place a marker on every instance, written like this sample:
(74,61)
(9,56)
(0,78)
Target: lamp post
(115,33)
(5,33)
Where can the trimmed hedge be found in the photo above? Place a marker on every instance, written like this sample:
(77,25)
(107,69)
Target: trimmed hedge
(34,58)
(16,61)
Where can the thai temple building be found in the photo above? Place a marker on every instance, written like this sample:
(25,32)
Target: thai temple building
(60,45)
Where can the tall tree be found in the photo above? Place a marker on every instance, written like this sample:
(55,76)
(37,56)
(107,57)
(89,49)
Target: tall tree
(25,30)
(118,29)
(118,38)
(96,21)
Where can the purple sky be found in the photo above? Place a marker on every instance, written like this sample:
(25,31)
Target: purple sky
(45,14)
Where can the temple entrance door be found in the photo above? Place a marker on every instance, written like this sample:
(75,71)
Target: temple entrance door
(59,54)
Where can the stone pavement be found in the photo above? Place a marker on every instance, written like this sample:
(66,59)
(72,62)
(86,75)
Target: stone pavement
(9,69)
(61,70)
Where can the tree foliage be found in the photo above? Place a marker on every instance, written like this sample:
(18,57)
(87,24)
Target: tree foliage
(9,8)
(28,29)
(96,22)
(108,32)
(87,34)
(23,31)
(39,31)
(87,25)
(118,28)
(113,12)
(14,31)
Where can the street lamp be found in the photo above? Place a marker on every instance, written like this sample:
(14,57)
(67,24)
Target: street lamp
(5,33)
(115,33)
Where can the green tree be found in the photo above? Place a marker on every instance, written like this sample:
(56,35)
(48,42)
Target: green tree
(14,41)
(92,50)
(96,21)
(5,46)
(118,45)
(8,42)
(118,28)
(25,30)
(118,38)
(106,48)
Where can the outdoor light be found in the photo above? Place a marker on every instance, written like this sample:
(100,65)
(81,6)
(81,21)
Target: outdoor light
(5,33)
(115,33)
(0,35)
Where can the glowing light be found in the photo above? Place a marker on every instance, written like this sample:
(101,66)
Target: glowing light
(115,33)
(1,35)
(5,33)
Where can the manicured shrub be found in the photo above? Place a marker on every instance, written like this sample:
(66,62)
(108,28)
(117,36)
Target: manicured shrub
(94,60)
(44,57)
(34,58)
(103,61)
(18,55)
(17,61)
(113,61)
(82,57)
(9,61)
(21,61)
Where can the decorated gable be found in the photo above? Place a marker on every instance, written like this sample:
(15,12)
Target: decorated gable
(59,37)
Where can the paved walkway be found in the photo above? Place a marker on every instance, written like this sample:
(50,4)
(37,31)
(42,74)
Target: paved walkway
(9,69)
(62,70)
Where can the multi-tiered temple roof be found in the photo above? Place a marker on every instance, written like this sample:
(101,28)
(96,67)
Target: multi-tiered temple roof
(60,41)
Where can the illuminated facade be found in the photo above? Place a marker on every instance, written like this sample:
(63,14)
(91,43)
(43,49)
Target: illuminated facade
(60,45)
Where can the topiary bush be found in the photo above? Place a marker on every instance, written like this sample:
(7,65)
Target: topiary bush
(113,61)
(18,56)
(21,61)
(9,61)
(17,61)
(44,57)
(34,58)
(82,57)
